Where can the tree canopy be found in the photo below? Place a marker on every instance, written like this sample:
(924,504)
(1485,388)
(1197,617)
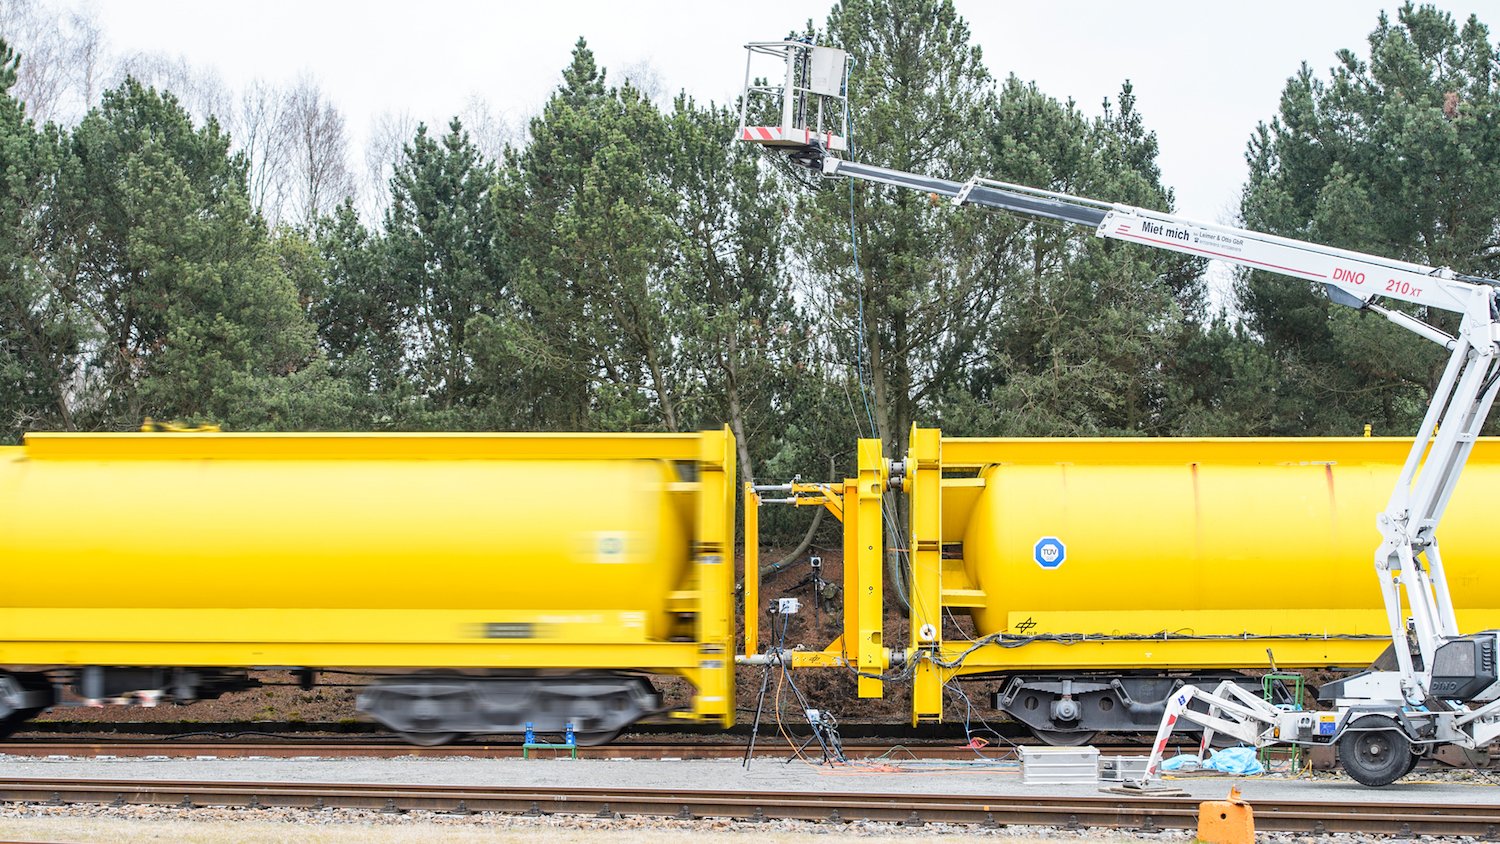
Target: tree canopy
(625,265)
(1396,154)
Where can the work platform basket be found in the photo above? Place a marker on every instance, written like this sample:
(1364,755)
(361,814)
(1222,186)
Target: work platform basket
(810,98)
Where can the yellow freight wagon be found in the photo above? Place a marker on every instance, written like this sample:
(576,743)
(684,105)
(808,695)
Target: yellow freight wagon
(495,578)
(1102,574)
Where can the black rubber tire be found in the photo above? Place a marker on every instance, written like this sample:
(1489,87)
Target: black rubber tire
(1374,751)
(1064,738)
(1412,765)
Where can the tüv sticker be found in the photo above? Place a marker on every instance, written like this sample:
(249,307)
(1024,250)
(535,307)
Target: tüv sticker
(1049,552)
(609,546)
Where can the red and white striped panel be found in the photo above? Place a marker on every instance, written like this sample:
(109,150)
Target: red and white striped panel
(782,136)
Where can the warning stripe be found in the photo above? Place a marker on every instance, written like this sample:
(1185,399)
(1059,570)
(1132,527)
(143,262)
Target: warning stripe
(1161,744)
(777,133)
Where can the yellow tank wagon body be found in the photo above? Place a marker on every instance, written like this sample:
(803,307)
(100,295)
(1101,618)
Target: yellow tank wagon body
(465,553)
(1111,555)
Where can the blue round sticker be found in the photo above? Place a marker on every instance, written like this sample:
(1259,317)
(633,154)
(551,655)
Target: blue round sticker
(1049,552)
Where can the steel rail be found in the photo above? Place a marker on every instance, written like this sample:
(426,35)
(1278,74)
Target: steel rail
(1144,813)
(1318,758)
(614,750)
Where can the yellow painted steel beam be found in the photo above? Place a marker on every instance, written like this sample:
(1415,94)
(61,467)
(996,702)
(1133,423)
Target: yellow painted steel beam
(864,538)
(363,446)
(852,572)
(510,628)
(924,472)
(1190,622)
(1176,654)
(661,657)
(971,452)
(819,495)
(833,656)
(714,562)
(752,570)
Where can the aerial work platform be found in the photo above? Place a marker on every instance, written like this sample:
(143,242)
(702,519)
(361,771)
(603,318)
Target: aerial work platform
(818,111)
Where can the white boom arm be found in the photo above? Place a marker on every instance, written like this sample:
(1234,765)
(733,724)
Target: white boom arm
(1428,477)
(1459,406)
(1407,561)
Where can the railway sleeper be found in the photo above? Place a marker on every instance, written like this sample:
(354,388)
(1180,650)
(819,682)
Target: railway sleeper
(432,709)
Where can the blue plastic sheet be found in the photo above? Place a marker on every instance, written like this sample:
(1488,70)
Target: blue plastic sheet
(1233,760)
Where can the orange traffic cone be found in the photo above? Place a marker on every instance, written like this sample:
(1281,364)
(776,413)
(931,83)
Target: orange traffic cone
(1226,821)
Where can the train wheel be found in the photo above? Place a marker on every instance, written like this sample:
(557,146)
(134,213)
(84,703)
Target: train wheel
(1374,751)
(13,722)
(1064,738)
(428,739)
(596,739)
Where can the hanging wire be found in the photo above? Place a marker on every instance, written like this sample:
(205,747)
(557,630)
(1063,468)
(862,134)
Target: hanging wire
(861,350)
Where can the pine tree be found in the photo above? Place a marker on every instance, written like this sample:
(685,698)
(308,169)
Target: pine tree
(1083,337)
(1395,155)
(440,256)
(745,343)
(589,344)
(192,313)
(908,309)
(358,307)
(39,331)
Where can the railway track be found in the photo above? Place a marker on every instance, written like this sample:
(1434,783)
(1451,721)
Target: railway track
(1320,759)
(618,750)
(1145,814)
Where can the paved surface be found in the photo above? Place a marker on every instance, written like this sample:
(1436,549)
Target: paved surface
(978,777)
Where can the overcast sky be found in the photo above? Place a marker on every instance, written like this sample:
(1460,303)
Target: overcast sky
(1204,72)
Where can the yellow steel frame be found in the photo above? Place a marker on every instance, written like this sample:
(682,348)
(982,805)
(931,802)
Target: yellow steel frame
(924,462)
(379,446)
(360,638)
(714,561)
(752,570)
(857,504)
(865,589)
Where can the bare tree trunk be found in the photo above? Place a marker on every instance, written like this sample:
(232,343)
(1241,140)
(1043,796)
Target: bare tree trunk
(663,395)
(737,411)
(322,176)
